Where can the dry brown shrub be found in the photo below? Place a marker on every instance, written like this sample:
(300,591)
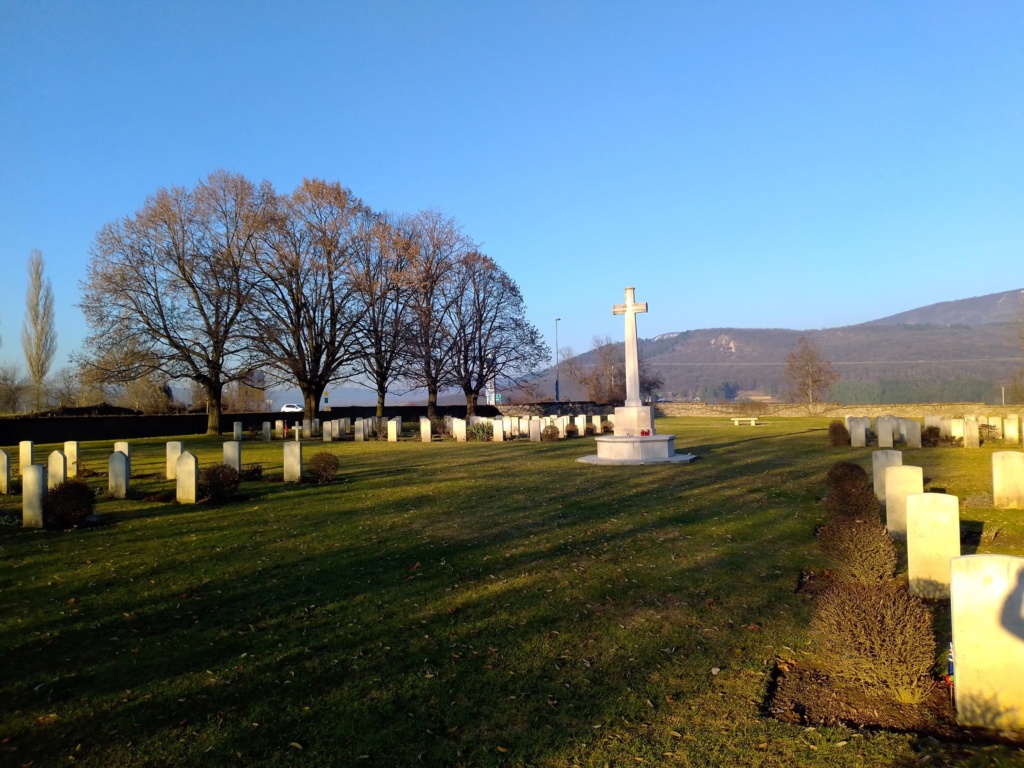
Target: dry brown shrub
(859,550)
(876,636)
(838,434)
(845,474)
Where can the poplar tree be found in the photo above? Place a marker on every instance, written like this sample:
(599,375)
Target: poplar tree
(38,332)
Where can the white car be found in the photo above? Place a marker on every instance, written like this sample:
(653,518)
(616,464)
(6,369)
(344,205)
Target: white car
(291,408)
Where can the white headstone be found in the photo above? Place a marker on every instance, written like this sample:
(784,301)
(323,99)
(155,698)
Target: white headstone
(581,425)
(879,461)
(186,476)
(233,455)
(883,428)
(933,537)
(327,432)
(278,428)
(119,470)
(307,427)
(971,434)
(900,482)
(237,431)
(71,452)
(946,426)
(858,434)
(1008,479)
(174,449)
(315,428)
(26,455)
(932,420)
(394,430)
(535,429)
(425,429)
(33,490)
(292,462)
(56,469)
(266,431)
(988,640)
(498,430)
(5,473)
(956,428)
(126,448)
(1011,429)
(459,430)
(360,430)
(912,433)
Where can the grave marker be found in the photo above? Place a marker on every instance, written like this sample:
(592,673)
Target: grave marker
(293,462)
(119,472)
(266,431)
(71,452)
(1008,479)
(237,431)
(174,449)
(186,476)
(971,434)
(933,537)
(56,469)
(988,640)
(233,455)
(900,482)
(26,455)
(33,490)
(879,461)
(425,435)
(5,473)
(1011,429)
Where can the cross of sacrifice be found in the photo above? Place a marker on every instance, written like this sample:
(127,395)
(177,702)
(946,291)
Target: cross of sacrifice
(631,309)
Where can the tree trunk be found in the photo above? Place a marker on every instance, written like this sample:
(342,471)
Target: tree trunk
(381,392)
(470,403)
(431,401)
(311,402)
(214,394)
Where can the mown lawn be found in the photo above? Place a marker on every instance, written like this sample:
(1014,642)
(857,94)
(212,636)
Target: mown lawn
(447,605)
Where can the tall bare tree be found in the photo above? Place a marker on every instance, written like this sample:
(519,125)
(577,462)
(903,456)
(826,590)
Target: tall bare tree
(38,332)
(808,375)
(603,373)
(304,315)
(491,339)
(165,288)
(437,246)
(383,294)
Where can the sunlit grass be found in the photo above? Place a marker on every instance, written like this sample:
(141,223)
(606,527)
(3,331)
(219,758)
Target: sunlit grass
(444,604)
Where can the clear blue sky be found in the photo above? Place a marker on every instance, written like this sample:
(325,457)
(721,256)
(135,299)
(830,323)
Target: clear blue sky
(770,164)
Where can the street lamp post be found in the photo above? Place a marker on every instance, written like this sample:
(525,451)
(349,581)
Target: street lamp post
(556,359)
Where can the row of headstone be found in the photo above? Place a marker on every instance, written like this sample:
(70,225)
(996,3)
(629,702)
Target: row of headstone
(888,430)
(986,592)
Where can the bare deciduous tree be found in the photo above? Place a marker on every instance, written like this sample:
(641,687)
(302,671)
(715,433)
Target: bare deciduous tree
(437,246)
(603,374)
(166,288)
(808,375)
(491,339)
(38,332)
(384,318)
(304,314)
(12,388)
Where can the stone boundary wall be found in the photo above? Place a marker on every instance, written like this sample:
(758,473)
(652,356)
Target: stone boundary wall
(833,410)
(563,408)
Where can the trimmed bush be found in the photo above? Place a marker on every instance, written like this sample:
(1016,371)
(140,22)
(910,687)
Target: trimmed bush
(607,427)
(859,550)
(549,434)
(838,434)
(590,431)
(876,636)
(571,430)
(438,427)
(218,484)
(481,432)
(252,472)
(855,502)
(323,466)
(931,437)
(844,474)
(69,504)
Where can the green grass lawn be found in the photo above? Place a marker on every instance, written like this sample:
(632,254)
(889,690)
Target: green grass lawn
(446,605)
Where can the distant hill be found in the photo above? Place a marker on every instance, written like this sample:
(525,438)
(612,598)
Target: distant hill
(954,350)
(1002,307)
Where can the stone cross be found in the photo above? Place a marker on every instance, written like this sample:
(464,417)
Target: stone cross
(631,309)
